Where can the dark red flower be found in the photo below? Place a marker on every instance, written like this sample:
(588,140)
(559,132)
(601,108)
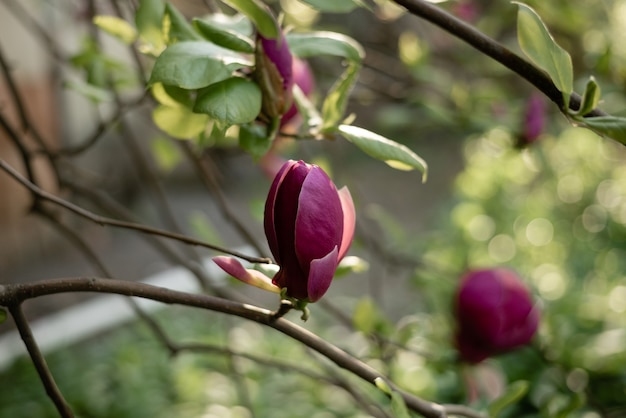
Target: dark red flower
(274,73)
(494,313)
(534,119)
(309,226)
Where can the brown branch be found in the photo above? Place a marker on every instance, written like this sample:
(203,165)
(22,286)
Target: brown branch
(102,127)
(14,294)
(483,43)
(39,361)
(26,125)
(21,148)
(101,220)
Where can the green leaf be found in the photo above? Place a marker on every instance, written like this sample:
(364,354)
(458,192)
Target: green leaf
(3,315)
(254,139)
(176,27)
(259,14)
(336,101)
(333,6)
(232,101)
(537,43)
(396,155)
(233,23)
(172,96)
(116,27)
(611,126)
(228,39)
(306,109)
(195,64)
(165,153)
(514,392)
(149,23)
(325,43)
(179,122)
(398,406)
(335,44)
(383,386)
(590,98)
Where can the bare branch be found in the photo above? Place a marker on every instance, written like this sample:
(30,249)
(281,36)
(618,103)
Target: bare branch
(493,49)
(39,361)
(208,177)
(14,294)
(101,220)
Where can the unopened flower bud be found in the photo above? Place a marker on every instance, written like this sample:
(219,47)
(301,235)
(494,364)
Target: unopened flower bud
(274,73)
(309,226)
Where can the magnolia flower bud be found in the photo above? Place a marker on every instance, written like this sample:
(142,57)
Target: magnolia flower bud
(309,226)
(494,313)
(274,73)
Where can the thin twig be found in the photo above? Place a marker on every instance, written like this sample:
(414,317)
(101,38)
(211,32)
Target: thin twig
(113,207)
(101,220)
(21,148)
(13,294)
(493,49)
(102,127)
(39,361)
(26,125)
(210,181)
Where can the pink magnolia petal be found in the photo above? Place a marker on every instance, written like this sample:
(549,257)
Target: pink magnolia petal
(321,275)
(349,221)
(248,276)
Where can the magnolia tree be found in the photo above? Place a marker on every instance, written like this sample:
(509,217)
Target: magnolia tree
(237,75)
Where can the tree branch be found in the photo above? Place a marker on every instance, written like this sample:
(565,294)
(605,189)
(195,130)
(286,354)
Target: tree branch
(39,361)
(101,220)
(493,49)
(14,294)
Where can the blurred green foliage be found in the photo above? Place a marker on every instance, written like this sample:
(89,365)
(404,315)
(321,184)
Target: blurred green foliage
(557,214)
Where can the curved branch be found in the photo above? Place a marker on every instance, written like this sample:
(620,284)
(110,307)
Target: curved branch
(39,361)
(493,49)
(101,220)
(13,294)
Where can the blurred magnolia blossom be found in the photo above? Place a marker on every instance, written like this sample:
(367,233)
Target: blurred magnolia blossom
(274,74)
(466,10)
(494,312)
(309,226)
(534,119)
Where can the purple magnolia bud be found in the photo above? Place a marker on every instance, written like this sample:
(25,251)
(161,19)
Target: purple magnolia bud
(494,312)
(534,119)
(274,73)
(309,227)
